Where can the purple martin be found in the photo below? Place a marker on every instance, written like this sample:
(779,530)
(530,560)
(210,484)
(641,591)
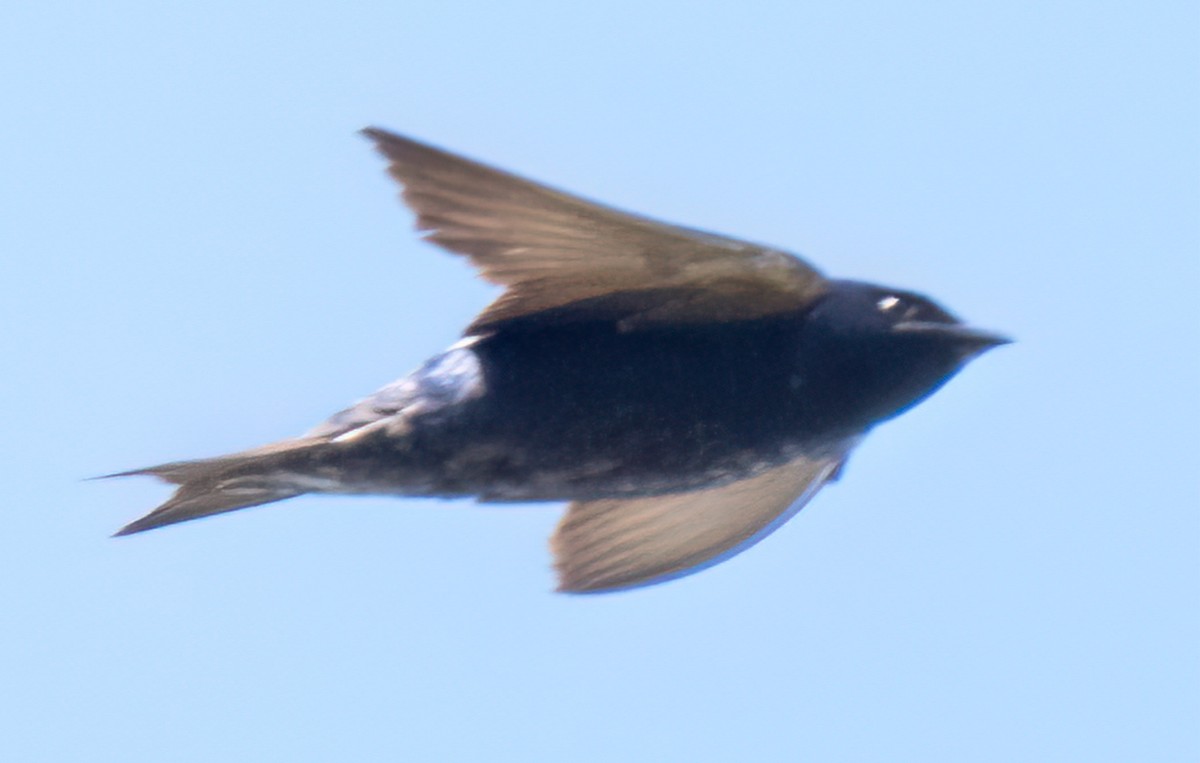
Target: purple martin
(686,392)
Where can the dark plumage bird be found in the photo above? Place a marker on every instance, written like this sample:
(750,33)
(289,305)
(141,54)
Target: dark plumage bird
(685,391)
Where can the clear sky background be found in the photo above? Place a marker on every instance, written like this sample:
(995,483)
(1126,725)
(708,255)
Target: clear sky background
(198,254)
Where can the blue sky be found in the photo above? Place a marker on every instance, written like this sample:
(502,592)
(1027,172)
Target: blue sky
(200,255)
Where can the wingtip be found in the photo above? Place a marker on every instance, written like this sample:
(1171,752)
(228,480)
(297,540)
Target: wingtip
(574,585)
(563,589)
(393,146)
(566,589)
(381,137)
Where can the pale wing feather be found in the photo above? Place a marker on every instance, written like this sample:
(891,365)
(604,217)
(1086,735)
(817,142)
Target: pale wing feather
(550,249)
(609,545)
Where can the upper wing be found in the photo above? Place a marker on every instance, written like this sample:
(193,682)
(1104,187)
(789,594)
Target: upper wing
(550,249)
(611,545)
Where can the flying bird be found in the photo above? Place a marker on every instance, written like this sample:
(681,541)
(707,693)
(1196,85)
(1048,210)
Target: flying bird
(685,392)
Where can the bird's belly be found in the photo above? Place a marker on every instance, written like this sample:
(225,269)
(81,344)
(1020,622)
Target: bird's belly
(513,459)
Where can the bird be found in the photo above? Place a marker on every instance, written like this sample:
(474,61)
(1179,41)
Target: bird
(684,392)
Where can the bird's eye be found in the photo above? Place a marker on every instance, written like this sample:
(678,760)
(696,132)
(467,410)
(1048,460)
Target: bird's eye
(888,303)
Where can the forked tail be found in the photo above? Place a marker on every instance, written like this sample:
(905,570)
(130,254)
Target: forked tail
(226,483)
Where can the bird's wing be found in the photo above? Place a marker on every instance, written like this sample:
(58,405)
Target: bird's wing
(551,250)
(611,545)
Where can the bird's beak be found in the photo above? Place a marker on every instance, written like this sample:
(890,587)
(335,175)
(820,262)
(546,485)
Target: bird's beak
(973,339)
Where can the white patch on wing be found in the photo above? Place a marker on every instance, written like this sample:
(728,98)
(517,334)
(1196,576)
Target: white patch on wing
(465,343)
(312,483)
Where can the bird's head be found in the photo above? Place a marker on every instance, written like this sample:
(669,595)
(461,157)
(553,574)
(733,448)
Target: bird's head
(890,347)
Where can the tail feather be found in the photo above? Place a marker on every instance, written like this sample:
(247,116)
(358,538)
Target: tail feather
(217,485)
(193,502)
